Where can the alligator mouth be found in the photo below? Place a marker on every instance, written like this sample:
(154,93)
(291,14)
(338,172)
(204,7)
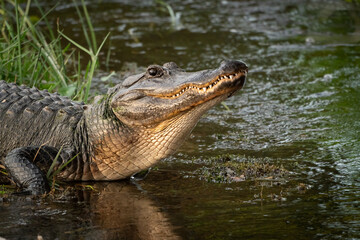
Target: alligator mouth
(208,87)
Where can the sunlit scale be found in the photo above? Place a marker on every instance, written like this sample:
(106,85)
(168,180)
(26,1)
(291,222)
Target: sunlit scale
(204,89)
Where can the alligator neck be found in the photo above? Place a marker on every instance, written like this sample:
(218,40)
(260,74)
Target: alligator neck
(118,151)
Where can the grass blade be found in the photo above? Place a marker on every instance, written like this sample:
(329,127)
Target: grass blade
(53,163)
(18,38)
(91,28)
(75,43)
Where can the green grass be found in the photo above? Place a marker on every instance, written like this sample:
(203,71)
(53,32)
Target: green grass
(29,55)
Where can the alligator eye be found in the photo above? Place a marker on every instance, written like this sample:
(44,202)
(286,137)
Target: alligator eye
(153,71)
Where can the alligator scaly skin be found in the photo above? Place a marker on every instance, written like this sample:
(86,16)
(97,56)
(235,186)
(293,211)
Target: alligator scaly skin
(33,117)
(30,119)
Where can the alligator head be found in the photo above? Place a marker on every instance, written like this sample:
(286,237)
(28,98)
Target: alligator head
(167,92)
(155,111)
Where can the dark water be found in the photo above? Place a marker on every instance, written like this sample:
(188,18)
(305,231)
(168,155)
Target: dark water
(300,108)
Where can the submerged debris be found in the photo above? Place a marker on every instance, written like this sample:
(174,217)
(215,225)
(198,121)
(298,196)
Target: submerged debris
(232,168)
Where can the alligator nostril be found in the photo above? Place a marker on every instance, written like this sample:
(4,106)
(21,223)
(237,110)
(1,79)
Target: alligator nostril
(233,66)
(243,66)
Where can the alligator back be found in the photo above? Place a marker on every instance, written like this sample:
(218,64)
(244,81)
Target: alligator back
(30,117)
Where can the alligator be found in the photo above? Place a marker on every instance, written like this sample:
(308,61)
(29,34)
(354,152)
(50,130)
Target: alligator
(138,122)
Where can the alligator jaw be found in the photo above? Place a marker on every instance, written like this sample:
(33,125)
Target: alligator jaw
(207,89)
(191,94)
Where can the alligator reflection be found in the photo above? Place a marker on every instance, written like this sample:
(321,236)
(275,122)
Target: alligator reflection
(122,211)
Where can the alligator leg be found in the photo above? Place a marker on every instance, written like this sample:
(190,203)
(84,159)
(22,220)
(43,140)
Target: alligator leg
(27,167)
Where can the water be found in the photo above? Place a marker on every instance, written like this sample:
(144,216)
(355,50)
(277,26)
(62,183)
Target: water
(299,108)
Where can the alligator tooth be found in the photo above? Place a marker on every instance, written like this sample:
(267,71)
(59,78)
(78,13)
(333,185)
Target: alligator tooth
(204,89)
(231,76)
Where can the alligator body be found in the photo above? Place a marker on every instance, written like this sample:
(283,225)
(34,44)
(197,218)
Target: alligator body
(138,122)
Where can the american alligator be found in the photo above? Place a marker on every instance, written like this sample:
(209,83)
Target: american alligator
(138,122)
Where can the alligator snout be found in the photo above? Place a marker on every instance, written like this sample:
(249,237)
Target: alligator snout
(231,66)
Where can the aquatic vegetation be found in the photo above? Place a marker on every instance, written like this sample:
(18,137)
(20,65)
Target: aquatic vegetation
(174,16)
(232,168)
